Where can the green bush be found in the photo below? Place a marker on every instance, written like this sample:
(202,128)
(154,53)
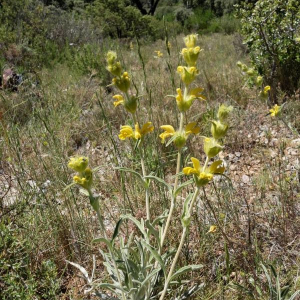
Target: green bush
(270,29)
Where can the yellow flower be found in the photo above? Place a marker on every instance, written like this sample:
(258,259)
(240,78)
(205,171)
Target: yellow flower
(78,163)
(265,92)
(158,53)
(131,46)
(275,111)
(120,100)
(190,55)
(218,129)
(122,82)
(127,132)
(185,102)
(168,131)
(187,74)
(169,45)
(129,103)
(190,40)
(85,180)
(212,229)
(212,147)
(179,137)
(203,176)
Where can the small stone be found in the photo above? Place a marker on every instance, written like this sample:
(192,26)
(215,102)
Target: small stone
(245,178)
(238,154)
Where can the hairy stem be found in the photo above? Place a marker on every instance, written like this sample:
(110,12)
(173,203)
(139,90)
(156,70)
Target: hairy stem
(173,201)
(183,236)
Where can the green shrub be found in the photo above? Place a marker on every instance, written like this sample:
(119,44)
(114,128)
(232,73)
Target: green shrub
(270,29)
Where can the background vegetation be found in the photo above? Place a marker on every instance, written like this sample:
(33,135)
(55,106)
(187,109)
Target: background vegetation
(64,107)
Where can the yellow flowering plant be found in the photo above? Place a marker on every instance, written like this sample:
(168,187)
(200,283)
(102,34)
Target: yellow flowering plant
(149,275)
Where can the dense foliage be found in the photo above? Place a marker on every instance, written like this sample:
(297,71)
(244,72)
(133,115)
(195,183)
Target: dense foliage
(271,29)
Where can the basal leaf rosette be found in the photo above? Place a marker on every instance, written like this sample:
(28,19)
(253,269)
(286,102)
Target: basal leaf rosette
(203,175)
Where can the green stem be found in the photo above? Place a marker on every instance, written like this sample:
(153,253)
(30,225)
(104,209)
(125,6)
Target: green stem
(205,164)
(173,201)
(183,236)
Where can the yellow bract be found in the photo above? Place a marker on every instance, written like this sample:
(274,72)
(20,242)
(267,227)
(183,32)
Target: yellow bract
(275,110)
(138,133)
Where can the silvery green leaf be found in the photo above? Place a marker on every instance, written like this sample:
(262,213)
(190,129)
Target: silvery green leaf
(137,223)
(117,228)
(131,171)
(160,181)
(82,270)
(185,217)
(186,269)
(180,187)
(103,240)
(156,255)
(84,192)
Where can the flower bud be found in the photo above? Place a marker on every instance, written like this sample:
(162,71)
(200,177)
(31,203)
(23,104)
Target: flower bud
(187,74)
(265,92)
(78,164)
(111,57)
(244,68)
(203,179)
(190,55)
(190,40)
(251,72)
(130,104)
(223,113)
(211,147)
(275,111)
(86,180)
(115,69)
(259,80)
(218,129)
(122,83)
(180,140)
